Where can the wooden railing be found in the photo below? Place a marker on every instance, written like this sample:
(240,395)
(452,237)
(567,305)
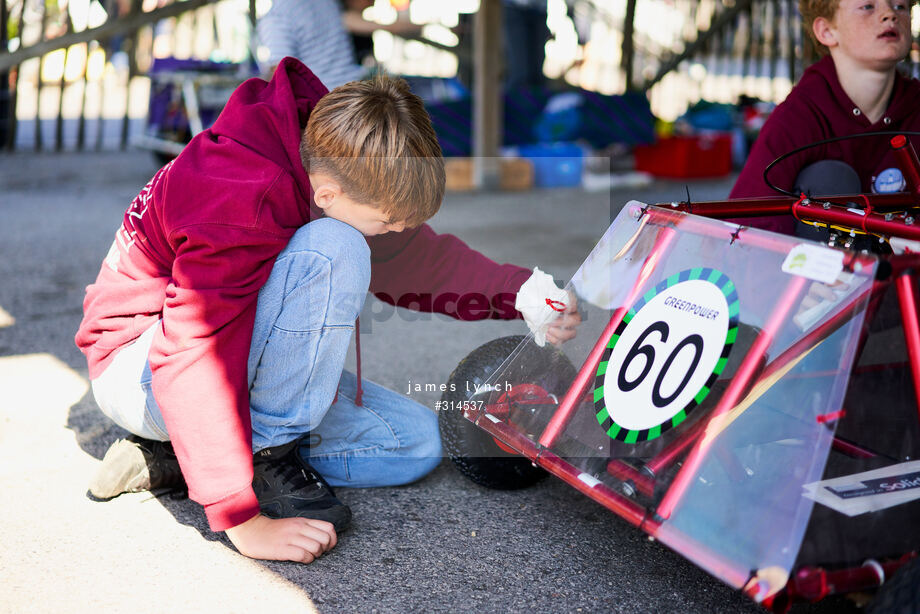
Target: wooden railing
(83,83)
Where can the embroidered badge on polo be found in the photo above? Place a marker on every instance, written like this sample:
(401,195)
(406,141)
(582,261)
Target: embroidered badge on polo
(889,180)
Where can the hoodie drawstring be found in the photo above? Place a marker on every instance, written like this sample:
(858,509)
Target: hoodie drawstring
(358,392)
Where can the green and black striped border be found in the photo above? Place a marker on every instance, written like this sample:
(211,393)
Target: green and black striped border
(614,430)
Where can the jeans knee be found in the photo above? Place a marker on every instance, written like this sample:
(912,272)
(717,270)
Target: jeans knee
(345,248)
(417,459)
(330,261)
(425,448)
(417,452)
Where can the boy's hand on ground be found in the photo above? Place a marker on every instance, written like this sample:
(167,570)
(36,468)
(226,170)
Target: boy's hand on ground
(285,539)
(565,326)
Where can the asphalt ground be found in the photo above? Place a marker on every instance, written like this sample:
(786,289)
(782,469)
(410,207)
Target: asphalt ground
(440,545)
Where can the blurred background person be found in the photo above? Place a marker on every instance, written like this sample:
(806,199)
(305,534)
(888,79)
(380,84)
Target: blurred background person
(333,39)
(313,31)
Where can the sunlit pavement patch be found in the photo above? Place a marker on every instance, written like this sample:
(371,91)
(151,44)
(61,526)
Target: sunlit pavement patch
(38,389)
(6,319)
(36,392)
(49,523)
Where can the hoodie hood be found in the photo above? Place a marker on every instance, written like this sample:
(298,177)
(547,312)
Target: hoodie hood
(268,117)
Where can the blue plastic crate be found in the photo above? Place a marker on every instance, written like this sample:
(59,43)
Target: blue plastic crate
(555,165)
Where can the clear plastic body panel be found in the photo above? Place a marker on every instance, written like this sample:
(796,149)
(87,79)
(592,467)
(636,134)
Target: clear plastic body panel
(712,367)
(869,497)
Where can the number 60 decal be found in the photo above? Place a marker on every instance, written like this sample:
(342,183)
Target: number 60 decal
(666,354)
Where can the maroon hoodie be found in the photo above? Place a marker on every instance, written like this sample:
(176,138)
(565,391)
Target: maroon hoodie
(198,243)
(817,108)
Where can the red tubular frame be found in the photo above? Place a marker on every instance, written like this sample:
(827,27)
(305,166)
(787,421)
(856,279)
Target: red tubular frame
(907,299)
(815,583)
(622,506)
(806,583)
(577,390)
(808,209)
(868,222)
(782,205)
(910,164)
(851,449)
(743,377)
(825,329)
(669,455)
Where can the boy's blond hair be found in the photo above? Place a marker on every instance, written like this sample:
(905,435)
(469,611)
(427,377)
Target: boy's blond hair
(375,138)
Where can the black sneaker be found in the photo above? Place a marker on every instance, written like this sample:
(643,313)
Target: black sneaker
(287,486)
(134,465)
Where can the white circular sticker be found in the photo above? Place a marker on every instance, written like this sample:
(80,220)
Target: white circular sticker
(889,180)
(666,354)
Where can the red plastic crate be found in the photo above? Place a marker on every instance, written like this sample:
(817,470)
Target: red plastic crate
(705,155)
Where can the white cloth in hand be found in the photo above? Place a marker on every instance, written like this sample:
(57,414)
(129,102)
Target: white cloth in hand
(532,303)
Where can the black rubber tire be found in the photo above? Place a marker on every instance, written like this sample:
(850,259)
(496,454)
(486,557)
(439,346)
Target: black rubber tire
(472,450)
(900,594)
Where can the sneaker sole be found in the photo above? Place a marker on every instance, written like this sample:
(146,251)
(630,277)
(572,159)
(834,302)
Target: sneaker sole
(123,469)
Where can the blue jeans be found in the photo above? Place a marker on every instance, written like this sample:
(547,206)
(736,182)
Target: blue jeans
(304,322)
